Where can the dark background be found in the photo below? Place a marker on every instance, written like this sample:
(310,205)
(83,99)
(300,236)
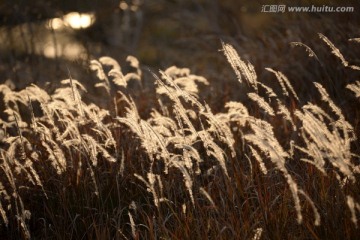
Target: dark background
(160,34)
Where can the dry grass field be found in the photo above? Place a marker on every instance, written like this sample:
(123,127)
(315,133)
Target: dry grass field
(247,131)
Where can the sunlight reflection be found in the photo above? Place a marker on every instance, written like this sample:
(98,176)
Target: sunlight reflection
(56,24)
(123,5)
(50,51)
(70,51)
(73,51)
(79,20)
(74,20)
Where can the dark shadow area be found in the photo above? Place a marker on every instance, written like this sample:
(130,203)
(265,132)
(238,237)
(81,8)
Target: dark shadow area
(38,40)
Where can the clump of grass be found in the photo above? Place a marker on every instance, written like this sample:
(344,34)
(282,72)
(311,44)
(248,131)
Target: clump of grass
(184,171)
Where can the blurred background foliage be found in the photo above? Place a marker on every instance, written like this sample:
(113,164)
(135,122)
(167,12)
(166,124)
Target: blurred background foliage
(38,41)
